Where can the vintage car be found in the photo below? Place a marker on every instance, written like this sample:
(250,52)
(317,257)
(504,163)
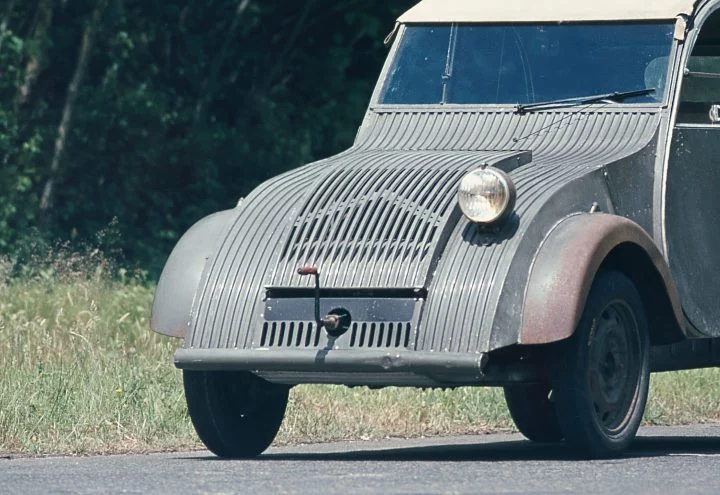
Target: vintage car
(530,203)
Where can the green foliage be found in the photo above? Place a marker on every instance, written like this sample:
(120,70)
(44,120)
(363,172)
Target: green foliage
(81,372)
(185,107)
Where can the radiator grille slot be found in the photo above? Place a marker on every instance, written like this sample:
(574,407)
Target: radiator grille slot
(387,220)
(289,334)
(379,335)
(362,335)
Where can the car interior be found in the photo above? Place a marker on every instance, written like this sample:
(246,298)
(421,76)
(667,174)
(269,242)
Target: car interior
(700,94)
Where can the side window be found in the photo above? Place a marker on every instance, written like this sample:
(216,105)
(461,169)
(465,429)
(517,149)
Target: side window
(700,94)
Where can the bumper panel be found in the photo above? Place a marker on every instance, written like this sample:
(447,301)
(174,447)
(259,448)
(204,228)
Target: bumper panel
(438,368)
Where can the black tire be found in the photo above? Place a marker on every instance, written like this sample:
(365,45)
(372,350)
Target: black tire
(235,414)
(601,374)
(533,412)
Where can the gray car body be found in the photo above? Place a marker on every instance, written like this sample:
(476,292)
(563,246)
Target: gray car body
(435,299)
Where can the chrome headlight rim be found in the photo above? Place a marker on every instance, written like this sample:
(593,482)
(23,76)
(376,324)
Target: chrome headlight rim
(509,194)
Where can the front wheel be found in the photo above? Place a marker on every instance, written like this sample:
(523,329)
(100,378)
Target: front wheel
(601,374)
(533,412)
(235,413)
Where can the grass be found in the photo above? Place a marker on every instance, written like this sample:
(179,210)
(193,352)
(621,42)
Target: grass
(81,373)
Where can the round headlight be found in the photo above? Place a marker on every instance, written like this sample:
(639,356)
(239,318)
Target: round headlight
(486,195)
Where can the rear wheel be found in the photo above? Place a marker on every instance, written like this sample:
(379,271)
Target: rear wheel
(601,374)
(533,412)
(236,414)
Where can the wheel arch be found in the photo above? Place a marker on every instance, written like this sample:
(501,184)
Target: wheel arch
(632,260)
(567,262)
(181,275)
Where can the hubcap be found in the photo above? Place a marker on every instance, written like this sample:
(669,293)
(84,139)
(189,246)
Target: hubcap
(614,365)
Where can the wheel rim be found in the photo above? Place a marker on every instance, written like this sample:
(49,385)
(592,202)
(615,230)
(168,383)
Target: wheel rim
(614,367)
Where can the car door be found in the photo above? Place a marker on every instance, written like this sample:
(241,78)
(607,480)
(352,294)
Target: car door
(692,186)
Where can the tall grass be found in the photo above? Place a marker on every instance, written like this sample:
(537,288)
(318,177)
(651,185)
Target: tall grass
(80,372)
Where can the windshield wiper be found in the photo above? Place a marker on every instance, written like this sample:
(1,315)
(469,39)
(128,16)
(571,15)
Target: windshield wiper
(583,100)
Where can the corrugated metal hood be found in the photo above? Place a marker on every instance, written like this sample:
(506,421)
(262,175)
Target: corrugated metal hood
(379,220)
(378,215)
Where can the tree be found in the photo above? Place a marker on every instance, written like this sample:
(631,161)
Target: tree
(5,21)
(208,87)
(72,95)
(39,43)
(159,113)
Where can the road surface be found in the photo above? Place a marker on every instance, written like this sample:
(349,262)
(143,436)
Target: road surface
(663,460)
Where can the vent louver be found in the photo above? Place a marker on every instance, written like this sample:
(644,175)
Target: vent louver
(364,335)
(384,220)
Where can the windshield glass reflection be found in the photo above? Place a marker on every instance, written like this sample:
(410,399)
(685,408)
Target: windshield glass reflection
(494,64)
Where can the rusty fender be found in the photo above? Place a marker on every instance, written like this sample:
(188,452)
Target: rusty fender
(565,267)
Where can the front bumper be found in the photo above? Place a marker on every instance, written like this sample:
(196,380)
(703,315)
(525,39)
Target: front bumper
(363,367)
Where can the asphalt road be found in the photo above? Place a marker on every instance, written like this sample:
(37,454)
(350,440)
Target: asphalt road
(663,460)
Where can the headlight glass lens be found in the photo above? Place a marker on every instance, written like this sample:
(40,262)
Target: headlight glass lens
(486,195)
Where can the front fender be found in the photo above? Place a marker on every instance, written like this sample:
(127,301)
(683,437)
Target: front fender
(182,272)
(567,262)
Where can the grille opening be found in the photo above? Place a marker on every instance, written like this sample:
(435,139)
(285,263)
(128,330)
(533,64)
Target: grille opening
(272,334)
(368,335)
(356,233)
(287,334)
(398,336)
(378,335)
(291,330)
(393,214)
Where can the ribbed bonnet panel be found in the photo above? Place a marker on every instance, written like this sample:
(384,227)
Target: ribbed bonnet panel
(467,284)
(375,220)
(581,135)
(373,217)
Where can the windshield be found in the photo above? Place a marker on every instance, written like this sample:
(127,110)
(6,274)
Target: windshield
(520,64)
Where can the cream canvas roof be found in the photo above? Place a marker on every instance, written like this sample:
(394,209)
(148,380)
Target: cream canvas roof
(544,10)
